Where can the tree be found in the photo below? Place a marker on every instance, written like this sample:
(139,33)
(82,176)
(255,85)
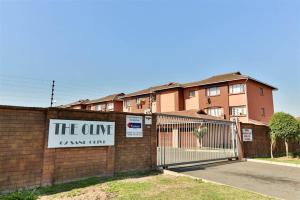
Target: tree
(283,126)
(199,133)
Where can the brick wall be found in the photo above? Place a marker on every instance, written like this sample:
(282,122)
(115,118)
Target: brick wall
(25,160)
(260,146)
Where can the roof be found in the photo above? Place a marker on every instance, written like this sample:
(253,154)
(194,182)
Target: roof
(222,78)
(193,113)
(233,76)
(79,102)
(154,89)
(113,97)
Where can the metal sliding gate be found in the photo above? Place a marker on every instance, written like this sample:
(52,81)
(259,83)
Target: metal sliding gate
(183,140)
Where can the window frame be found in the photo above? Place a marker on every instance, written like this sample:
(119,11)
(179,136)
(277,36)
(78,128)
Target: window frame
(208,91)
(239,115)
(194,93)
(263,111)
(214,108)
(261,91)
(231,88)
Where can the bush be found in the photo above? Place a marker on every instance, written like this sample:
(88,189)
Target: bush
(21,195)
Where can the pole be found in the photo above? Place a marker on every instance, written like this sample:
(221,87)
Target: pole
(52,93)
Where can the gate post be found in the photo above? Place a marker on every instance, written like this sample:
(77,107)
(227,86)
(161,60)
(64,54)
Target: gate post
(153,141)
(240,145)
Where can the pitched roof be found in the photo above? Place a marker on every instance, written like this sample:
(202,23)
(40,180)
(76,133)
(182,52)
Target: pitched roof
(113,97)
(193,113)
(79,102)
(211,80)
(153,89)
(224,78)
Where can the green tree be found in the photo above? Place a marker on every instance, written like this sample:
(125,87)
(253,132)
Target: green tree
(283,126)
(199,133)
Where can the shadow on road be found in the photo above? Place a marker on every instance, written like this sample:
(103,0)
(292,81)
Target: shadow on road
(202,166)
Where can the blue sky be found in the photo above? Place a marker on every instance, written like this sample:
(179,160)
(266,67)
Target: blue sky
(95,48)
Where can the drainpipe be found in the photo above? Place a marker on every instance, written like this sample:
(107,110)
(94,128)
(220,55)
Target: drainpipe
(246,92)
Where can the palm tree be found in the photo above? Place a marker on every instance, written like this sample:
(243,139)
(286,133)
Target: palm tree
(200,133)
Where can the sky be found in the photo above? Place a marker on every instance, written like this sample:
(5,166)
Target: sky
(96,48)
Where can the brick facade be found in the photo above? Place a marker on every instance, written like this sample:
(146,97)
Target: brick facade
(25,160)
(260,146)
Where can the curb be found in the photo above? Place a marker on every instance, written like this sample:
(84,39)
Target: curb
(177,174)
(273,163)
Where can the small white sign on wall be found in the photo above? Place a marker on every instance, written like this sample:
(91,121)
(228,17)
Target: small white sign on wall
(134,126)
(80,133)
(247,135)
(148,120)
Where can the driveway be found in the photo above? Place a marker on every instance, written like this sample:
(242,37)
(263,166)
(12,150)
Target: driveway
(274,180)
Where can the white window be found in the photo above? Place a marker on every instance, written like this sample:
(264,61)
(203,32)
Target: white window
(127,103)
(238,110)
(192,93)
(110,106)
(237,88)
(102,107)
(98,107)
(217,112)
(214,91)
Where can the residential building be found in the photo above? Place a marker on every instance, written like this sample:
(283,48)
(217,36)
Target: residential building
(79,105)
(108,103)
(226,96)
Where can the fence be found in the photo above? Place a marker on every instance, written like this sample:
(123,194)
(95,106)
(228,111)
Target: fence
(184,140)
(26,160)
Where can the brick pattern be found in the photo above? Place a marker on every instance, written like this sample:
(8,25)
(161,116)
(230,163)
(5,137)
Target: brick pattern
(21,148)
(25,160)
(260,146)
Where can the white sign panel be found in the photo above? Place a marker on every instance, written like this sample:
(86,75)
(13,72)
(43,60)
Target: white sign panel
(247,135)
(78,133)
(134,126)
(148,120)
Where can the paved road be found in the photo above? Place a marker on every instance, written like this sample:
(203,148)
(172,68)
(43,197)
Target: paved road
(274,180)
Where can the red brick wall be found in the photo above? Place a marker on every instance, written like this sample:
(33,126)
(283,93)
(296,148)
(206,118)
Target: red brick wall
(25,160)
(260,146)
(21,147)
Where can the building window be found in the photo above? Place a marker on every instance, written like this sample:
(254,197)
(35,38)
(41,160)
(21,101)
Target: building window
(217,112)
(214,91)
(238,110)
(192,93)
(261,91)
(98,107)
(237,88)
(110,106)
(102,107)
(263,112)
(140,102)
(127,103)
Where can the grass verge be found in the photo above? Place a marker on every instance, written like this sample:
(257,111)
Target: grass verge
(150,185)
(283,160)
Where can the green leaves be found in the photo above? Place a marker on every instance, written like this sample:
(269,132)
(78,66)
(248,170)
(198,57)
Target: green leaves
(284,126)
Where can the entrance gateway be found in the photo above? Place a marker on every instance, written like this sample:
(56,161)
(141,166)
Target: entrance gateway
(187,140)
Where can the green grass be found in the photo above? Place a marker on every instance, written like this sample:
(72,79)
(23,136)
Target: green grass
(150,185)
(283,160)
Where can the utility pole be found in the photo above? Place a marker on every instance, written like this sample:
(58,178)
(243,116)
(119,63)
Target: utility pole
(52,93)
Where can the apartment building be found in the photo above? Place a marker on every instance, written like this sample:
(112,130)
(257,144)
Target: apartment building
(226,96)
(105,104)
